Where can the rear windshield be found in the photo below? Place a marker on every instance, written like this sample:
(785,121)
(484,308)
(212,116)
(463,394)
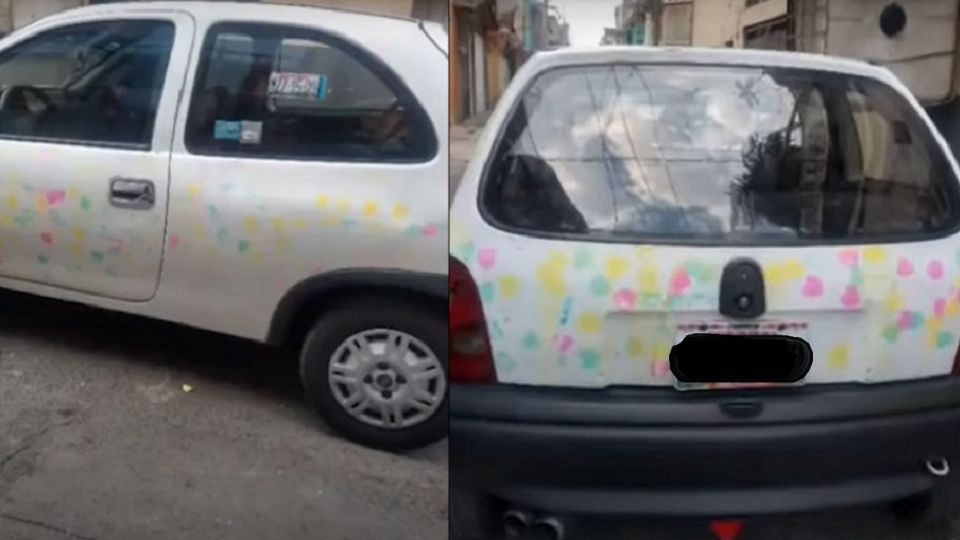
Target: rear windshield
(726,154)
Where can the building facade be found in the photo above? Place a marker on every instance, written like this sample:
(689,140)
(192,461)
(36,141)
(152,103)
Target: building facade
(19,13)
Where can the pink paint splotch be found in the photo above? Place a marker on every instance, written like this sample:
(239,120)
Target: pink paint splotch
(935,269)
(679,282)
(47,238)
(175,240)
(851,297)
(849,257)
(940,307)
(659,369)
(625,299)
(565,344)
(904,267)
(487,258)
(813,287)
(56,197)
(431,230)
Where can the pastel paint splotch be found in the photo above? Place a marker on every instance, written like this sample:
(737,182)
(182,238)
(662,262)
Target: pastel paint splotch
(175,240)
(600,286)
(679,282)
(839,357)
(940,307)
(625,299)
(813,287)
(589,359)
(849,257)
(874,255)
(509,287)
(531,340)
(431,230)
(582,258)
(634,347)
(565,343)
(935,269)
(904,267)
(589,323)
(851,297)
(47,238)
(56,197)
(487,258)
(616,268)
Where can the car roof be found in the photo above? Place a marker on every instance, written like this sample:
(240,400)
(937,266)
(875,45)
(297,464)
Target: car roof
(694,55)
(256,10)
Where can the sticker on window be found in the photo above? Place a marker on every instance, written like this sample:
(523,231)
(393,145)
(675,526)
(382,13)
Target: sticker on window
(251,132)
(227,130)
(298,85)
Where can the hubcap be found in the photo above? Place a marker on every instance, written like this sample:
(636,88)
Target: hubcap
(387,378)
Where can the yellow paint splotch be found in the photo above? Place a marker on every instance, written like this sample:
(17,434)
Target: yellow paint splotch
(370,209)
(874,255)
(322,202)
(509,287)
(649,280)
(634,347)
(552,279)
(839,357)
(42,203)
(13,202)
(250,224)
(589,323)
(953,308)
(894,301)
(616,267)
(779,274)
(401,212)
(194,191)
(661,352)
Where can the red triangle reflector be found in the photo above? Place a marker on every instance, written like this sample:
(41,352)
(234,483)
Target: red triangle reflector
(726,530)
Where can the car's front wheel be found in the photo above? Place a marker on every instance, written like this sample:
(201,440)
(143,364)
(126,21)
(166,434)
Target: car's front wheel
(377,372)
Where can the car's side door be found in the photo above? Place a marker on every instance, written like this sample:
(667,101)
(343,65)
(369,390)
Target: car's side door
(303,153)
(86,119)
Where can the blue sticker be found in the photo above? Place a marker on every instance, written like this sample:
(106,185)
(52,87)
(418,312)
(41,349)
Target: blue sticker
(226,130)
(322,88)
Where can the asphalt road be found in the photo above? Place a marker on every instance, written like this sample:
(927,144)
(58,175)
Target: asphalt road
(99,440)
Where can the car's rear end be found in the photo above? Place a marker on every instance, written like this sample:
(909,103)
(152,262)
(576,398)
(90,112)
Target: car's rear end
(614,199)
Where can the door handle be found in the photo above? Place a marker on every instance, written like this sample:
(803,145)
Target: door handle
(132,193)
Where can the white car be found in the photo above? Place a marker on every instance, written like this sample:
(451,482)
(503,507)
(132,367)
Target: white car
(272,172)
(625,200)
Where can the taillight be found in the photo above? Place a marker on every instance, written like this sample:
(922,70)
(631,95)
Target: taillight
(471,360)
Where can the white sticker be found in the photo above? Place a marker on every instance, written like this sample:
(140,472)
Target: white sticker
(300,85)
(251,132)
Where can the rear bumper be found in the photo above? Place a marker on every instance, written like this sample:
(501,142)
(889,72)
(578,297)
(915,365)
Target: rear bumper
(660,452)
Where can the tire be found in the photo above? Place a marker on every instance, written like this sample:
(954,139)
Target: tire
(332,330)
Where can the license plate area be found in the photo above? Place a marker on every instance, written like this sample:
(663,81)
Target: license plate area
(740,355)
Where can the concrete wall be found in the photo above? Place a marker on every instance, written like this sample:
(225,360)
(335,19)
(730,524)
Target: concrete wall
(717,21)
(922,55)
(402,8)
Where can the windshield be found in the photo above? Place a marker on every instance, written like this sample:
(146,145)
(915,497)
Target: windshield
(728,153)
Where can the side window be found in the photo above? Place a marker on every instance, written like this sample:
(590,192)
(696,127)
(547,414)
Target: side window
(284,92)
(91,83)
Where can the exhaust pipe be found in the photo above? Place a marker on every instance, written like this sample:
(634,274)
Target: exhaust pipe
(548,528)
(515,523)
(938,466)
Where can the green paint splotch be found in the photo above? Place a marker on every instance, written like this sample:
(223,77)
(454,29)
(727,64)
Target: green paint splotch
(589,359)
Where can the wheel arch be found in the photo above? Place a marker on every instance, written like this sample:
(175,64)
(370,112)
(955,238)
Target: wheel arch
(308,299)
